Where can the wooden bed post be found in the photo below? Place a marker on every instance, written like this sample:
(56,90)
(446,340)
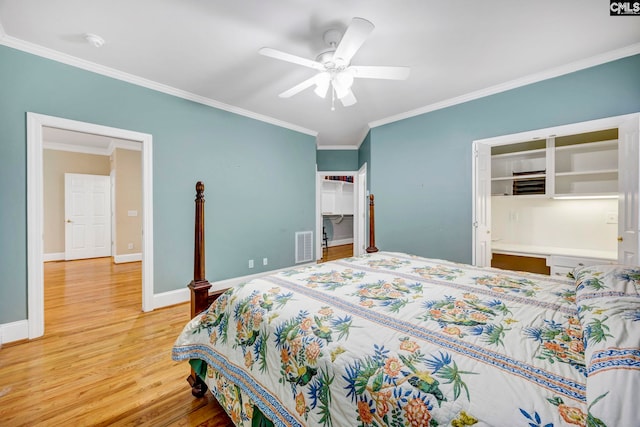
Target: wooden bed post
(199,285)
(372,232)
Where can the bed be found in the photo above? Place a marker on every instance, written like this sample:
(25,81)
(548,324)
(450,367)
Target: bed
(392,339)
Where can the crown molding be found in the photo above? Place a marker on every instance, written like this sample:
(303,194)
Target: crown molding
(337,147)
(54,55)
(571,67)
(73,61)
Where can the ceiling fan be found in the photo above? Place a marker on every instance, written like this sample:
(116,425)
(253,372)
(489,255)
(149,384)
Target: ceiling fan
(334,65)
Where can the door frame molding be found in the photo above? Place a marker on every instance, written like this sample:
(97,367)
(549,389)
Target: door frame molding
(35,210)
(360,209)
(567,129)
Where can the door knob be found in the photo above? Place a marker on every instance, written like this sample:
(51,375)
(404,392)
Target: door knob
(620,239)
(69,221)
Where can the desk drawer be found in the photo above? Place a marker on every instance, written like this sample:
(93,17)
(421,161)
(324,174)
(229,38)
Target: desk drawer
(561,265)
(520,263)
(561,271)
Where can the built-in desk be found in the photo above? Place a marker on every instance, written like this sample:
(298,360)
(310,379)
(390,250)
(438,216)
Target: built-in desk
(546,259)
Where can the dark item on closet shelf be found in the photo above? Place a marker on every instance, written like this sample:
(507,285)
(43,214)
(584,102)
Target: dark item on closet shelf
(522,186)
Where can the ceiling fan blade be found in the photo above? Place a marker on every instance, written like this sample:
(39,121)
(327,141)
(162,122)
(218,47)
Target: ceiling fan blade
(380,72)
(357,32)
(349,99)
(298,88)
(283,56)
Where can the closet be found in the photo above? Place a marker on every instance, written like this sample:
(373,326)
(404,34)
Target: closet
(337,207)
(548,201)
(584,165)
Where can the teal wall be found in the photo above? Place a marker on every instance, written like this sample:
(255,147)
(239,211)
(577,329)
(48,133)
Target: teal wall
(421,167)
(337,160)
(259,178)
(364,156)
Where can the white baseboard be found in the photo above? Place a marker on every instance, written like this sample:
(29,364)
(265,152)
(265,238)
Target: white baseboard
(121,259)
(179,296)
(118,259)
(227,283)
(166,299)
(340,242)
(54,256)
(14,331)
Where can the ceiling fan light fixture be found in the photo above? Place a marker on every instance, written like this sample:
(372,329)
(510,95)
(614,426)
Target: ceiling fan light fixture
(341,90)
(345,78)
(322,84)
(333,65)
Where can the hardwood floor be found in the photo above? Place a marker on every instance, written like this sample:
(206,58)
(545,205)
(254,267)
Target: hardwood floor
(337,252)
(102,361)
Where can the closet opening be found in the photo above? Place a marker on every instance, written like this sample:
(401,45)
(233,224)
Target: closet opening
(550,200)
(340,214)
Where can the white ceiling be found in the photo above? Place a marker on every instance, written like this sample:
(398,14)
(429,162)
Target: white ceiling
(207,50)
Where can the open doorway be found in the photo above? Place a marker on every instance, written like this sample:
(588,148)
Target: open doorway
(37,126)
(92,197)
(340,214)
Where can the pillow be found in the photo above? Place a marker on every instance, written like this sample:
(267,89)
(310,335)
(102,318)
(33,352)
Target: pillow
(608,300)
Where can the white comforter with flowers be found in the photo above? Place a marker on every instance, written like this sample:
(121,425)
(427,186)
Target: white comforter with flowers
(390,339)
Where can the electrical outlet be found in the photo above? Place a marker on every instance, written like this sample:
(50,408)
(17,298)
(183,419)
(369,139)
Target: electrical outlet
(265,261)
(130,246)
(611,218)
(250,263)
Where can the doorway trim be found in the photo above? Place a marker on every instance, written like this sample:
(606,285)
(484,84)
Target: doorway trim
(35,210)
(360,235)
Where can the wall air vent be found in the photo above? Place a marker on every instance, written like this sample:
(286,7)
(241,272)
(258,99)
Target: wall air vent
(304,246)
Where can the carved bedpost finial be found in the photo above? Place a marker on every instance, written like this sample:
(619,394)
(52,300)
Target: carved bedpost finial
(199,191)
(372,232)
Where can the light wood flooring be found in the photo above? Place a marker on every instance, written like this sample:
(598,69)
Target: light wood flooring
(337,252)
(102,361)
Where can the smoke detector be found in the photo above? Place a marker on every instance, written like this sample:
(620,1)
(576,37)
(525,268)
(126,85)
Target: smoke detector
(94,39)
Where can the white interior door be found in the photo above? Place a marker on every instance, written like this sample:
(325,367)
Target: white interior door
(482,205)
(628,166)
(360,210)
(318,216)
(87,216)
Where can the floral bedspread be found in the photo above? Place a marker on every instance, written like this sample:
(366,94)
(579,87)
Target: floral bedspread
(389,339)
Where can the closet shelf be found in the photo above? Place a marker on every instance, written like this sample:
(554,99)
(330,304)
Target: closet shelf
(579,164)
(589,172)
(539,152)
(519,177)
